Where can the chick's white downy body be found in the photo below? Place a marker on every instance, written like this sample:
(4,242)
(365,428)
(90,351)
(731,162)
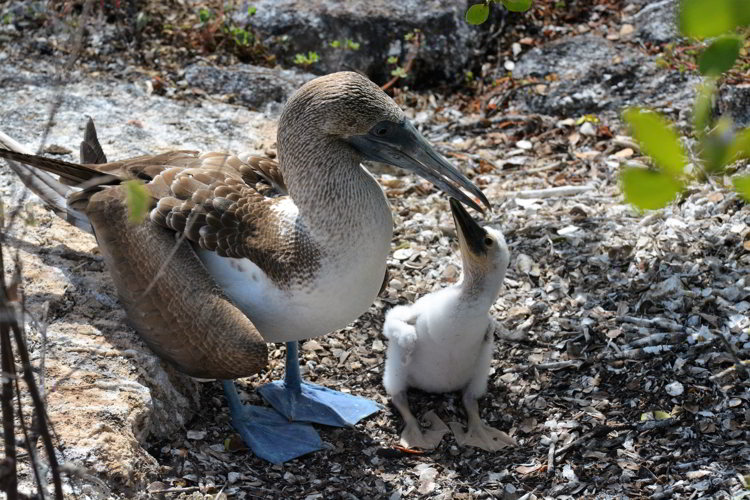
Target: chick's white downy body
(437,343)
(444,341)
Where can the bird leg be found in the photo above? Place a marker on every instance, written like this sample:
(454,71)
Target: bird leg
(479,434)
(269,434)
(412,435)
(301,401)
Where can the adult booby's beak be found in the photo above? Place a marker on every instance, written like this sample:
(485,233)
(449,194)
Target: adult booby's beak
(471,236)
(401,145)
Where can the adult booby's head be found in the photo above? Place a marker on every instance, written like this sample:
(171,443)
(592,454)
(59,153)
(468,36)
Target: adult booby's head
(347,113)
(484,253)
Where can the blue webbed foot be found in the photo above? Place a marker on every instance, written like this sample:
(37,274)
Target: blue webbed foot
(269,434)
(305,402)
(315,403)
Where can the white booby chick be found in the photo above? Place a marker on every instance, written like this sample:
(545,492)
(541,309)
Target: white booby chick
(444,341)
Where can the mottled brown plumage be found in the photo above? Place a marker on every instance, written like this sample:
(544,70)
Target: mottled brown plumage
(218,201)
(160,284)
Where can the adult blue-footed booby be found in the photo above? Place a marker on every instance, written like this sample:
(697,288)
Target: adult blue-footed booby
(444,341)
(270,252)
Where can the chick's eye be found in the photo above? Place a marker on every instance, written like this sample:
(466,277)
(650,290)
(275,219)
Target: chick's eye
(488,241)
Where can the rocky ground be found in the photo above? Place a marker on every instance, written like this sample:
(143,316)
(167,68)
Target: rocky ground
(623,382)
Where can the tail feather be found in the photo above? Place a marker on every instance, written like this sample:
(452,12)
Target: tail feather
(71,172)
(91,150)
(52,192)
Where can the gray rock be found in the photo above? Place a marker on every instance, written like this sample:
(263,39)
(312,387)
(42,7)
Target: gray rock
(656,22)
(594,76)
(734,100)
(290,27)
(253,86)
(569,58)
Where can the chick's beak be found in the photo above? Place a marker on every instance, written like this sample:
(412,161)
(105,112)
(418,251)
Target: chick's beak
(471,235)
(401,145)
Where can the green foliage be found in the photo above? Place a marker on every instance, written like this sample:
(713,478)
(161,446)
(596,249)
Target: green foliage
(517,5)
(240,35)
(709,18)
(7,18)
(348,44)
(205,15)
(720,56)
(649,189)
(719,144)
(306,59)
(136,197)
(740,147)
(480,12)
(742,185)
(703,107)
(392,60)
(657,139)
(251,11)
(399,72)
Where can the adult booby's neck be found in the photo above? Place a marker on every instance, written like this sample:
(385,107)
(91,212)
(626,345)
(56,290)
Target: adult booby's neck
(336,197)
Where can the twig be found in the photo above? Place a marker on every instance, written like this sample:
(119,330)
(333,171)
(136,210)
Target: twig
(553,192)
(599,430)
(8,376)
(738,362)
(554,365)
(726,372)
(9,324)
(651,322)
(409,61)
(551,456)
(656,339)
(190,489)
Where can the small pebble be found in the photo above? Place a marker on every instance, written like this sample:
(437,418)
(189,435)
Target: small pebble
(674,389)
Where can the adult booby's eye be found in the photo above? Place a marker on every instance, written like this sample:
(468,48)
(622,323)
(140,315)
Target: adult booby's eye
(488,241)
(381,130)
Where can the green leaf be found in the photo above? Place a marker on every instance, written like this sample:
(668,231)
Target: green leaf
(720,55)
(703,108)
(740,147)
(649,189)
(702,18)
(710,18)
(657,139)
(399,72)
(478,13)
(136,197)
(716,145)
(742,185)
(517,5)
(662,415)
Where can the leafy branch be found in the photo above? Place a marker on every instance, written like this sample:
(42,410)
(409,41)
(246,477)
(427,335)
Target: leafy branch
(719,144)
(480,12)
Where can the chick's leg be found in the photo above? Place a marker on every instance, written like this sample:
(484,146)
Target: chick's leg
(412,435)
(480,434)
